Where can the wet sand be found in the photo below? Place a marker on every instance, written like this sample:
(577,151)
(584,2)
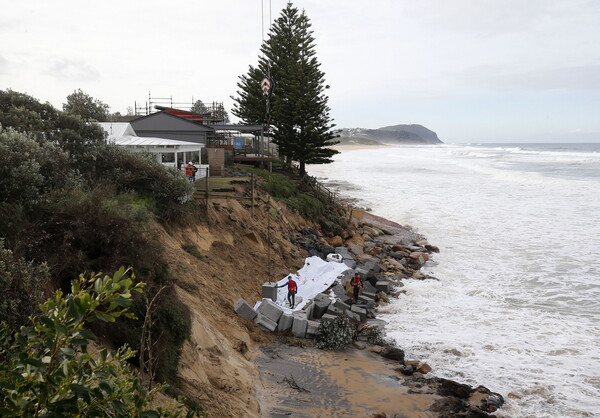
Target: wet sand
(349,383)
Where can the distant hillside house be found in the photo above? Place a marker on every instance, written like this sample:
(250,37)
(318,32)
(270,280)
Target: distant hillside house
(166,151)
(166,125)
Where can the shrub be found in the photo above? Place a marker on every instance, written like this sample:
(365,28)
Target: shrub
(193,250)
(50,371)
(334,335)
(375,335)
(307,205)
(23,286)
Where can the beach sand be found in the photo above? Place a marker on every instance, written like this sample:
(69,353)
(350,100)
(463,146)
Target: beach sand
(348,383)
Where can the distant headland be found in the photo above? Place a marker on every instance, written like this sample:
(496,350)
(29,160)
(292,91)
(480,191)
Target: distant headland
(390,135)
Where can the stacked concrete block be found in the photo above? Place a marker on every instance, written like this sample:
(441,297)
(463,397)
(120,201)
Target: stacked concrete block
(350,263)
(360,311)
(265,323)
(343,306)
(270,310)
(362,272)
(383,286)
(372,266)
(366,301)
(369,287)
(371,295)
(243,309)
(339,290)
(299,325)
(320,307)
(328,317)
(353,317)
(332,310)
(269,291)
(285,322)
(311,329)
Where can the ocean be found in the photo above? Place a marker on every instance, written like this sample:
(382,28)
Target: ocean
(517,304)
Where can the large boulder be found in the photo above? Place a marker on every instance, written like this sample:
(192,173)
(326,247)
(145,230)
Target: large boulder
(393,353)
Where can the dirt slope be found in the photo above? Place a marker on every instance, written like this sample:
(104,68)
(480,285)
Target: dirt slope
(216,367)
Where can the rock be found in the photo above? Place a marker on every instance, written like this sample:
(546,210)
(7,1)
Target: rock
(371,231)
(407,370)
(336,241)
(449,406)
(355,249)
(419,257)
(424,368)
(432,248)
(513,396)
(450,388)
(359,344)
(492,402)
(393,353)
(383,298)
(377,349)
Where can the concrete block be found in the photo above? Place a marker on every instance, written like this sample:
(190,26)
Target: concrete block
(332,310)
(328,317)
(353,317)
(362,272)
(265,323)
(299,325)
(350,263)
(270,310)
(339,290)
(320,307)
(343,251)
(308,309)
(311,329)
(383,286)
(373,266)
(360,311)
(243,309)
(269,291)
(370,295)
(341,305)
(369,287)
(367,301)
(321,297)
(285,322)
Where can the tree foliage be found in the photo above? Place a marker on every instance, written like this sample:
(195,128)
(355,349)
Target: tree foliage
(88,108)
(48,368)
(199,107)
(299,114)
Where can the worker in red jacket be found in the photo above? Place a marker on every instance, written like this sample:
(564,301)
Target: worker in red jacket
(292,289)
(356,283)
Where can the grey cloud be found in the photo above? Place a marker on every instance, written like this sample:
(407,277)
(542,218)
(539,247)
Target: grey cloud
(72,70)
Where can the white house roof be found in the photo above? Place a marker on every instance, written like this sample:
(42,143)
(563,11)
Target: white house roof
(129,140)
(117,129)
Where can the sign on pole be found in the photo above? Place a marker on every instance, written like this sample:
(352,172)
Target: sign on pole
(265,86)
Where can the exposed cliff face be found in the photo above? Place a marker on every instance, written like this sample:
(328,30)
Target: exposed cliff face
(216,367)
(396,134)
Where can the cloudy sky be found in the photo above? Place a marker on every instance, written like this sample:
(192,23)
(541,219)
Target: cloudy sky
(471,70)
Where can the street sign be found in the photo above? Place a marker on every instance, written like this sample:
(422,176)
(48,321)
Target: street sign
(265,86)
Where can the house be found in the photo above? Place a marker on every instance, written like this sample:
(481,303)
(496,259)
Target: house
(167,125)
(166,151)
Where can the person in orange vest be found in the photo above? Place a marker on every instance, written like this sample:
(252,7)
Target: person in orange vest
(356,283)
(189,171)
(292,289)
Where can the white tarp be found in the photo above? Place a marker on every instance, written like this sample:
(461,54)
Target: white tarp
(315,277)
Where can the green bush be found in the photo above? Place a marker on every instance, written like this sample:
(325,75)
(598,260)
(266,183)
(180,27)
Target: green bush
(375,335)
(193,250)
(335,335)
(50,372)
(23,285)
(307,205)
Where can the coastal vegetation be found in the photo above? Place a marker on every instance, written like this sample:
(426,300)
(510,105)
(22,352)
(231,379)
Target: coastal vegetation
(71,203)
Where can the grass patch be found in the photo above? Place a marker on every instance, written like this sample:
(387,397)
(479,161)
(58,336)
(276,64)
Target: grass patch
(193,250)
(307,205)
(188,287)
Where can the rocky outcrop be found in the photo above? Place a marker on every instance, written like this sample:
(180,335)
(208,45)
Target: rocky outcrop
(396,134)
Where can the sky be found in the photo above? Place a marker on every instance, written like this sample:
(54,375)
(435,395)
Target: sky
(470,70)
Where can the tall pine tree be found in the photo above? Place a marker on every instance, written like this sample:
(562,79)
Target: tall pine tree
(299,114)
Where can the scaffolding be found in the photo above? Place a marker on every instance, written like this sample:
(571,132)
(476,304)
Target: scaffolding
(215,111)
